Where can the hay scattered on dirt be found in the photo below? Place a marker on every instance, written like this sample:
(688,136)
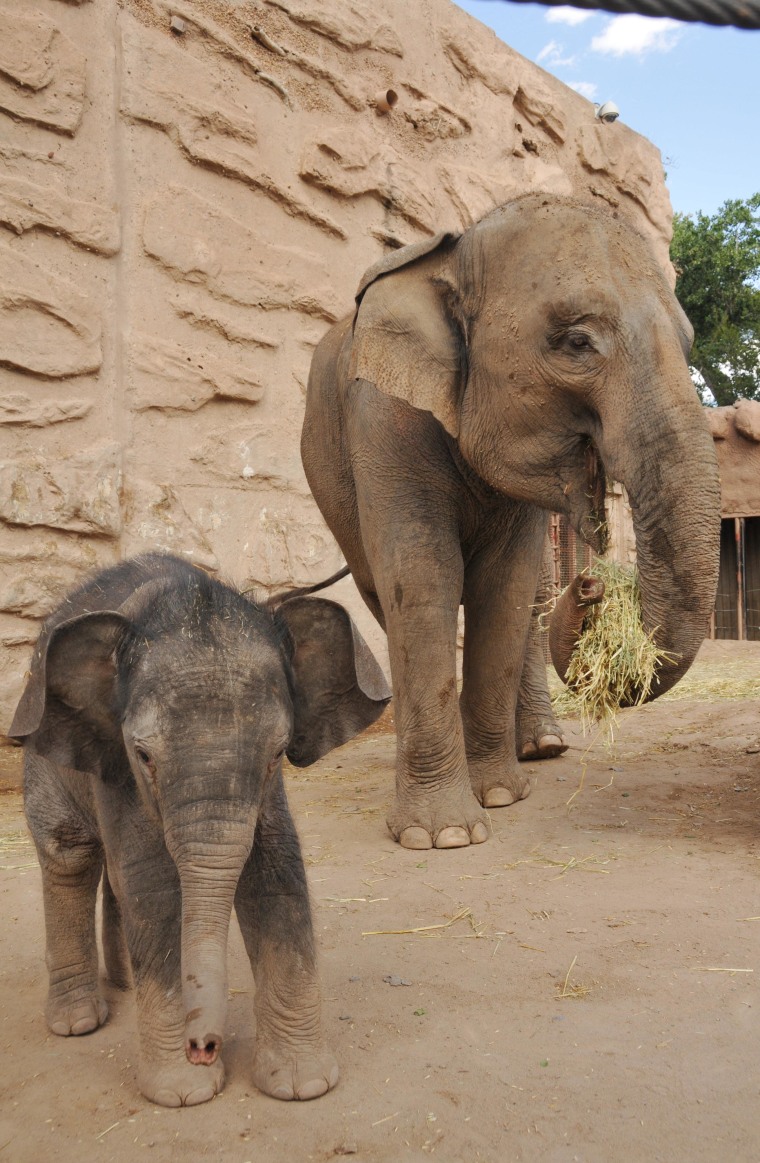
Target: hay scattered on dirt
(708,681)
(15,846)
(568,990)
(615,661)
(463,914)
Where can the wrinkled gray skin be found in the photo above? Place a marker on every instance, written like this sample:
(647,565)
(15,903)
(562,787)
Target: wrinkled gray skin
(158,709)
(538,735)
(484,379)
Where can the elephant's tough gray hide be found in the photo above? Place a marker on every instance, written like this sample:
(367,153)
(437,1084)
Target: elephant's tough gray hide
(482,380)
(158,709)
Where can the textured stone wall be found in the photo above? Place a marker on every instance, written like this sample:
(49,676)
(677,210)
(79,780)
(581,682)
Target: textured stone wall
(736,432)
(189,192)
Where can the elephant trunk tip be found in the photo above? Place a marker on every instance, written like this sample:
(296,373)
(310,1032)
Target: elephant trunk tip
(566,623)
(203,1051)
(590,590)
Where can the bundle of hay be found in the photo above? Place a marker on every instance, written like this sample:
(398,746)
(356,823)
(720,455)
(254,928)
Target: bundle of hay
(615,660)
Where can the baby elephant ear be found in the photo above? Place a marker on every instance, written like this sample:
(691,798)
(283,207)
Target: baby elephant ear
(69,695)
(339,688)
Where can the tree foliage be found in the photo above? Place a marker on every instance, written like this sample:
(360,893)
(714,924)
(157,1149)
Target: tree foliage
(717,260)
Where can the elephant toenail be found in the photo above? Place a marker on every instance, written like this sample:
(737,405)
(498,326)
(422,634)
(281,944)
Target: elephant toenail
(416,838)
(452,838)
(498,797)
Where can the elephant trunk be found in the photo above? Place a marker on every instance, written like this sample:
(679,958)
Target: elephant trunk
(208,883)
(566,623)
(664,456)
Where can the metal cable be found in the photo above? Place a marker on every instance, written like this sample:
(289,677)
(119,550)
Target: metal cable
(739,13)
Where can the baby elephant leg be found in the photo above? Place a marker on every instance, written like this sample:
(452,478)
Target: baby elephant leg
(272,904)
(151,911)
(70,858)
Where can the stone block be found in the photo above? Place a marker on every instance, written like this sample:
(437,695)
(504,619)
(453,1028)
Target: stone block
(196,243)
(166,375)
(156,519)
(347,25)
(16,408)
(42,72)
(47,324)
(34,592)
(747,419)
(719,421)
(357,164)
(25,205)
(79,493)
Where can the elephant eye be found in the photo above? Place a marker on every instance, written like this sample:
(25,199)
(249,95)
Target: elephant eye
(578,341)
(145,758)
(276,761)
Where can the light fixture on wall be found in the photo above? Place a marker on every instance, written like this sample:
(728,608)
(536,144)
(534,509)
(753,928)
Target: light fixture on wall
(607,112)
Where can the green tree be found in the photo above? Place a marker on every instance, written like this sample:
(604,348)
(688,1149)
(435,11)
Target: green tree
(717,260)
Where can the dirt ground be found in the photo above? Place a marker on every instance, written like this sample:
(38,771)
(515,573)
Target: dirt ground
(585,986)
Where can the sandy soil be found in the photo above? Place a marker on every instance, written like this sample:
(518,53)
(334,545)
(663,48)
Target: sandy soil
(585,986)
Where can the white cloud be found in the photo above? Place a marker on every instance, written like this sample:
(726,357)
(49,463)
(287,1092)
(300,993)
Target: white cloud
(636,35)
(552,47)
(585,88)
(551,53)
(566,15)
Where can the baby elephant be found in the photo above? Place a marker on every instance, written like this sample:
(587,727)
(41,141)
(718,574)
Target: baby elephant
(157,712)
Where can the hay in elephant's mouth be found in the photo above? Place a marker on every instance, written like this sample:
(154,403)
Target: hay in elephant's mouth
(615,660)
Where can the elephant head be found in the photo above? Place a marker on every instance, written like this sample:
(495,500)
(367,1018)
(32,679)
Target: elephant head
(548,343)
(181,704)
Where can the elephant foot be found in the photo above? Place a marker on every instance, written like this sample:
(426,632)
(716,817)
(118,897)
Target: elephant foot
(288,1071)
(175,1082)
(67,1017)
(541,739)
(440,819)
(496,788)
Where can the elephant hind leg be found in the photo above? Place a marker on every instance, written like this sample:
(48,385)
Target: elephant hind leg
(538,735)
(541,739)
(115,953)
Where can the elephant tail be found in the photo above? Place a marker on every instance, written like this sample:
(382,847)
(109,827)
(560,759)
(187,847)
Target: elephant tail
(302,591)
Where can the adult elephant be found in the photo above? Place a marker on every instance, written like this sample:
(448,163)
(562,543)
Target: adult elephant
(483,379)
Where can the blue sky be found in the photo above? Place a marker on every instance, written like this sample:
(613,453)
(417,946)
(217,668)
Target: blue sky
(691,89)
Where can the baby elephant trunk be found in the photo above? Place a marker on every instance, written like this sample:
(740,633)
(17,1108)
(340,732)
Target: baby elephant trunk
(207,900)
(566,624)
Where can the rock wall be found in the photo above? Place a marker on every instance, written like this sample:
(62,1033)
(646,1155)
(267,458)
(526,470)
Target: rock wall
(189,192)
(736,432)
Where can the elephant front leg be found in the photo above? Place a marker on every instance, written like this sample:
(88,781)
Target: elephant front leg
(418,577)
(434,805)
(498,595)
(151,915)
(165,1076)
(70,857)
(291,1060)
(69,886)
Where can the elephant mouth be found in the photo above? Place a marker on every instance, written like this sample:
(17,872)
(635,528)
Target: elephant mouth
(592,519)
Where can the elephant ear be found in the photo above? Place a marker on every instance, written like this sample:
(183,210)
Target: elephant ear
(338,686)
(69,701)
(406,341)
